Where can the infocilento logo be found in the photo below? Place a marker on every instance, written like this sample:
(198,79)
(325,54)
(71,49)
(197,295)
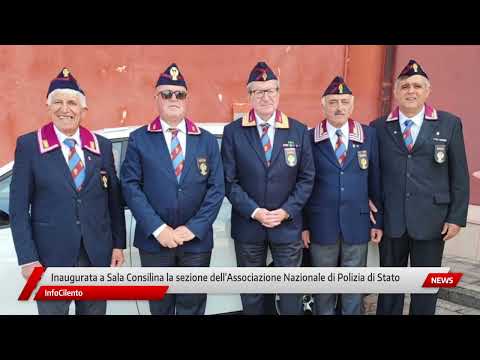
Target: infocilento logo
(91,283)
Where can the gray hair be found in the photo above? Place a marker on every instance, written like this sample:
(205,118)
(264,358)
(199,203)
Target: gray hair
(82,99)
(250,84)
(427,82)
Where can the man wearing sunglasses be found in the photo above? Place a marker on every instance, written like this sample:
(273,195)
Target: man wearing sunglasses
(269,175)
(172,180)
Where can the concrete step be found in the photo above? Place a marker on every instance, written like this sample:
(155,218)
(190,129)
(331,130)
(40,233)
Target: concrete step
(465,295)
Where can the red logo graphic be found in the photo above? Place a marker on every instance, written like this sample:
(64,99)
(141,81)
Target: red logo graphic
(442,280)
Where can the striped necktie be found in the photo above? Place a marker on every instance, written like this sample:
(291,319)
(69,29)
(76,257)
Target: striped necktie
(407,134)
(266,144)
(176,154)
(340,148)
(75,164)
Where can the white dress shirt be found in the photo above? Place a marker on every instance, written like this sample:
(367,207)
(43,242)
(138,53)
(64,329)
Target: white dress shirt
(417,123)
(182,138)
(271,135)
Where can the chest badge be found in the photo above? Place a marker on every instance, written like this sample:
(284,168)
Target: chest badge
(104,179)
(362,159)
(290,156)
(202,166)
(440,153)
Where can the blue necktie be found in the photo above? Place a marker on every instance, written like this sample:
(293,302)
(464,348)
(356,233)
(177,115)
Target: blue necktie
(75,164)
(340,148)
(407,134)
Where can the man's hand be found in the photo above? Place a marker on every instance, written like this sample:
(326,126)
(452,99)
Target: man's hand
(262,216)
(117,257)
(451,230)
(376,235)
(373,209)
(28,269)
(166,238)
(270,219)
(182,234)
(277,216)
(306,238)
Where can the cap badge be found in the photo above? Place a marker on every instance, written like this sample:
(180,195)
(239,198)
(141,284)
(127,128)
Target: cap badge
(174,73)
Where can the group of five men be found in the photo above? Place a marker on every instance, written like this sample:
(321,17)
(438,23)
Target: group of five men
(290,188)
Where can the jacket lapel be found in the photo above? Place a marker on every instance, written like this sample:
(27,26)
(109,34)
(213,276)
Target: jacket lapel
(92,161)
(393,129)
(326,148)
(251,133)
(351,152)
(355,138)
(427,129)
(322,142)
(58,162)
(280,138)
(192,145)
(164,155)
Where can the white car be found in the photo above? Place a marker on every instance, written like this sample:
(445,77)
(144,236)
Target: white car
(223,254)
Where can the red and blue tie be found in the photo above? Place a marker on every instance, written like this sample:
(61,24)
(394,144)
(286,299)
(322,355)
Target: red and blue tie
(176,154)
(407,134)
(75,164)
(340,148)
(266,144)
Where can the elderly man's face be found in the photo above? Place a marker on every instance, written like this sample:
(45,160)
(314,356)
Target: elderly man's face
(264,97)
(171,103)
(338,108)
(411,94)
(66,112)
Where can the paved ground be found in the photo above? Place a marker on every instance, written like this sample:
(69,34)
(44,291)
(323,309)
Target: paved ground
(461,300)
(443,307)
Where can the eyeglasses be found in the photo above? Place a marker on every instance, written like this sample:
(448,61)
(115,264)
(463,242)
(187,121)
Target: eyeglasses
(259,93)
(179,95)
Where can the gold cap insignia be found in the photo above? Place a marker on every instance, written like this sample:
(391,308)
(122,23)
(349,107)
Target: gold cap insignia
(415,67)
(264,76)
(340,88)
(174,73)
(65,72)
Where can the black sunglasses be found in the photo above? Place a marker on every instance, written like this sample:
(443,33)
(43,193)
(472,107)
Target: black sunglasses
(180,95)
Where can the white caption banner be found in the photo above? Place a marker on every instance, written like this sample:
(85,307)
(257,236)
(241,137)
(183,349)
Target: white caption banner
(235,280)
